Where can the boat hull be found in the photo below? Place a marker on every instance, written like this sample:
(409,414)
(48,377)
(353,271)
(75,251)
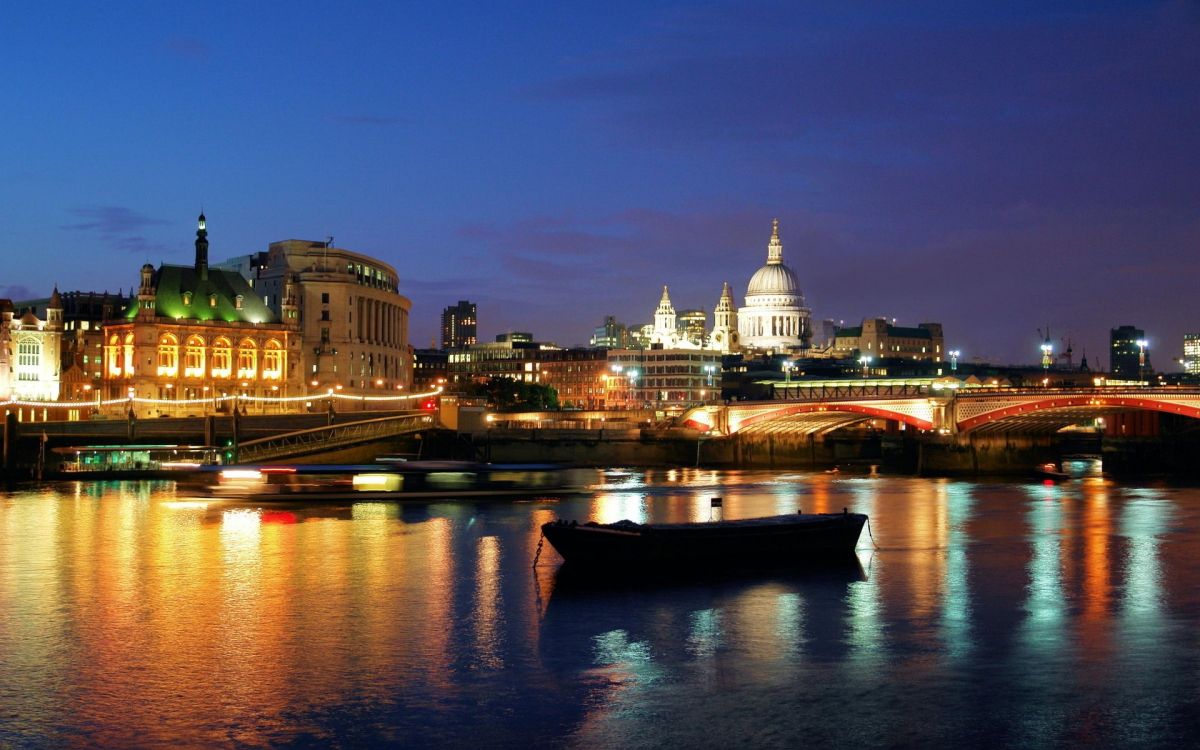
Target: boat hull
(776,540)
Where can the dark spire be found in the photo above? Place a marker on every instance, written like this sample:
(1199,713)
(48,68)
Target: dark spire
(201,247)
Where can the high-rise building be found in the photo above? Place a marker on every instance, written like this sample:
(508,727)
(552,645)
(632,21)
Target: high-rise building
(611,335)
(693,326)
(1129,354)
(458,325)
(1191,353)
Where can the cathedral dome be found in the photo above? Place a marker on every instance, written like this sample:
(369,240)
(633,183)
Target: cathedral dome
(773,278)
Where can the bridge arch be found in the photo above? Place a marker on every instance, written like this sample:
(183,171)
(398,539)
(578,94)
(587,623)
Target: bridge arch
(863,411)
(1081,405)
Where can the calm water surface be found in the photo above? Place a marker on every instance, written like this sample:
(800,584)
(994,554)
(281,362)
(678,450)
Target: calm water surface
(990,615)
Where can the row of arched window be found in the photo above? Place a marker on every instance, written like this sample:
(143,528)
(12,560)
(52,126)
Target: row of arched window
(200,359)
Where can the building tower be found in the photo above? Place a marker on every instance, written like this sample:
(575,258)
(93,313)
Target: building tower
(664,319)
(202,247)
(459,325)
(1130,354)
(725,330)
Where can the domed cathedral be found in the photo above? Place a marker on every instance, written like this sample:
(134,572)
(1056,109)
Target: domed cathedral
(774,317)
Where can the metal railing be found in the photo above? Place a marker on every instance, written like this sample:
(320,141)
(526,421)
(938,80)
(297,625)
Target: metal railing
(331,436)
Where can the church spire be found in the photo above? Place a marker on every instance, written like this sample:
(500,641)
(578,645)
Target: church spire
(201,247)
(775,247)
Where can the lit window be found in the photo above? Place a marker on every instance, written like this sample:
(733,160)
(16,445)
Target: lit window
(221,356)
(193,358)
(247,359)
(273,361)
(127,354)
(168,356)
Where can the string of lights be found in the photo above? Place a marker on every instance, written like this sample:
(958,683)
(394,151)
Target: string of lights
(211,400)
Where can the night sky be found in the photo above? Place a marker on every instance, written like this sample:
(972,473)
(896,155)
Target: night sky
(996,167)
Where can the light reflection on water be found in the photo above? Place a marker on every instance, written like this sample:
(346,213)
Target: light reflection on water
(1013,614)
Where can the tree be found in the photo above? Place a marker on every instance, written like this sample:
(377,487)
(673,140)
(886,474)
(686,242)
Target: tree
(506,394)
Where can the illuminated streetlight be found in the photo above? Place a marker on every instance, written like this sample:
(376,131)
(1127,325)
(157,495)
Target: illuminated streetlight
(710,369)
(1047,355)
(953,359)
(1141,345)
(865,361)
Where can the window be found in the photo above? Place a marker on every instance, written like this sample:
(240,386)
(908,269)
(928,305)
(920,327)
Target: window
(237,302)
(324,298)
(324,315)
(273,360)
(221,355)
(128,354)
(247,359)
(212,300)
(187,298)
(29,358)
(112,353)
(193,358)
(168,356)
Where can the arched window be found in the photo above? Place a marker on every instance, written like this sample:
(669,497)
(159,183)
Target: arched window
(112,353)
(273,361)
(29,358)
(193,357)
(247,359)
(168,356)
(221,358)
(127,355)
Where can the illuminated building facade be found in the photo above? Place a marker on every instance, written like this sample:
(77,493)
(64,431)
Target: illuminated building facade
(459,325)
(353,320)
(774,317)
(576,374)
(84,315)
(31,352)
(1191,353)
(429,369)
(662,378)
(1129,354)
(879,339)
(198,333)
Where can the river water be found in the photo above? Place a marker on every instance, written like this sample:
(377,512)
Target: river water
(984,614)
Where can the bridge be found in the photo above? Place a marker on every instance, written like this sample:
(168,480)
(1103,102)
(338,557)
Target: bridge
(253,438)
(933,405)
(332,437)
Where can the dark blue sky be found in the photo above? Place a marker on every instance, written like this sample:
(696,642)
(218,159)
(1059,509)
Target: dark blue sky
(993,166)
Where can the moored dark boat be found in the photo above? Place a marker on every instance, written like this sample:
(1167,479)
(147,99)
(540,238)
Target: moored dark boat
(771,540)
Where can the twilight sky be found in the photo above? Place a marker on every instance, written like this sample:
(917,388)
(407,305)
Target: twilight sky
(994,166)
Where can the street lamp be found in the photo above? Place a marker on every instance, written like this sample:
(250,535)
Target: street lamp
(953,359)
(1141,345)
(632,373)
(1047,354)
(787,366)
(865,361)
(710,369)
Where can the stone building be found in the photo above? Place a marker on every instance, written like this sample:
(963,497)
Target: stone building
(352,319)
(198,333)
(879,339)
(31,352)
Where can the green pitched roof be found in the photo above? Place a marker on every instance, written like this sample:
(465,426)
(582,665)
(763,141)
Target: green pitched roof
(173,282)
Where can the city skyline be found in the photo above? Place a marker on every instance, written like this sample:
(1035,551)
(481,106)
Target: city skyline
(559,165)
